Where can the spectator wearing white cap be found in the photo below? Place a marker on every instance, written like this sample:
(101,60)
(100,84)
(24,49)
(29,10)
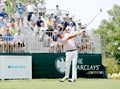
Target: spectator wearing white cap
(18,40)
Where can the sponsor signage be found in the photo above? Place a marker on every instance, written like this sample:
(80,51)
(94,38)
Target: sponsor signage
(82,65)
(12,67)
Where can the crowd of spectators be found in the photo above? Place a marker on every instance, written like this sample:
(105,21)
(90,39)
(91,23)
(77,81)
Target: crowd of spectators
(46,26)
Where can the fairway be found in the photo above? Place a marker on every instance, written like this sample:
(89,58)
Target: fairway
(81,83)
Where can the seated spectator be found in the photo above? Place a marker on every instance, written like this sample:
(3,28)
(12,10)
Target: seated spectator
(67,17)
(64,23)
(7,38)
(18,40)
(85,42)
(71,28)
(43,17)
(6,20)
(52,17)
(59,28)
(42,31)
(1,38)
(34,18)
(49,22)
(1,43)
(57,47)
(37,26)
(12,20)
(2,24)
(39,21)
(49,33)
(73,23)
(13,29)
(79,26)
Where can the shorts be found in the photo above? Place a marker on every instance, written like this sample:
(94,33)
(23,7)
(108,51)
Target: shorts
(20,16)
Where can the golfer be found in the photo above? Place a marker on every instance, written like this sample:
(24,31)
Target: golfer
(71,55)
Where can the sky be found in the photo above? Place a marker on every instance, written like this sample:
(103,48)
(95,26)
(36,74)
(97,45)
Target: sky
(86,10)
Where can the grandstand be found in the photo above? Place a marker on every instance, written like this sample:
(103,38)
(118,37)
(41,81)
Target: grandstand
(34,45)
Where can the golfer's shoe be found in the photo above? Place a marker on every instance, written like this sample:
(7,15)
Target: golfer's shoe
(63,79)
(71,80)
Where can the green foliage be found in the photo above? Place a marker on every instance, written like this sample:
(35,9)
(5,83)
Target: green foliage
(112,66)
(110,32)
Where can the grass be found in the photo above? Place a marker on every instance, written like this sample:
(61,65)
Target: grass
(55,84)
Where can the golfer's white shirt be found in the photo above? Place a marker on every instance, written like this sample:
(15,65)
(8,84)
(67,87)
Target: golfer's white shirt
(68,44)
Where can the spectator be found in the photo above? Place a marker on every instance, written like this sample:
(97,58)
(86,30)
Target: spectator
(7,7)
(37,26)
(6,20)
(57,46)
(71,28)
(52,16)
(59,28)
(49,33)
(85,42)
(1,5)
(3,13)
(39,21)
(49,22)
(43,17)
(57,12)
(18,40)
(64,23)
(79,26)
(7,38)
(30,9)
(20,13)
(2,24)
(34,18)
(67,17)
(13,29)
(73,23)
(42,31)
(41,7)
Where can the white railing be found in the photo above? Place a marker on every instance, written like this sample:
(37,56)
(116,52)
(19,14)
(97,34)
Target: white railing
(45,43)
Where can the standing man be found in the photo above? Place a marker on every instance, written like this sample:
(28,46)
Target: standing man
(71,55)
(30,9)
(20,13)
(41,7)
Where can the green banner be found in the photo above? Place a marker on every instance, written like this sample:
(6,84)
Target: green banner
(52,65)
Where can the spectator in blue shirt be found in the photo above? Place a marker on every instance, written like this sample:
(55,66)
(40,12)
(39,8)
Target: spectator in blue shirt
(64,23)
(3,13)
(73,23)
(20,13)
(7,38)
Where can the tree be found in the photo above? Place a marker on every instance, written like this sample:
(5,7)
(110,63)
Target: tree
(110,32)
